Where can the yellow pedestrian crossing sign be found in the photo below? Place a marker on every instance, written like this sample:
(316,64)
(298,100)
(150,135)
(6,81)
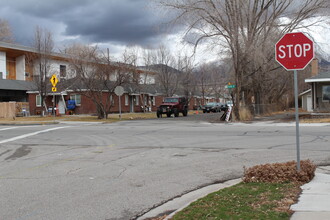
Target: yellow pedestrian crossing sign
(53,80)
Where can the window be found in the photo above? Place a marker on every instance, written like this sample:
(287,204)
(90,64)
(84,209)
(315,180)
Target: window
(326,93)
(126,100)
(136,100)
(62,71)
(154,100)
(77,98)
(38,101)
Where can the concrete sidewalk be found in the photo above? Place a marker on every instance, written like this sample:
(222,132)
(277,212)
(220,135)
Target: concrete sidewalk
(314,202)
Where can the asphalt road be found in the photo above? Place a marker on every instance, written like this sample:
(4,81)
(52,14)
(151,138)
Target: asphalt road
(121,170)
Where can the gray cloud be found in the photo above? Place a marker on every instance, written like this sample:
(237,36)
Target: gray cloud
(100,21)
(126,21)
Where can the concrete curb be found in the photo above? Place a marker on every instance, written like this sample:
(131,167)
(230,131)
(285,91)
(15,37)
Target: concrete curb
(175,205)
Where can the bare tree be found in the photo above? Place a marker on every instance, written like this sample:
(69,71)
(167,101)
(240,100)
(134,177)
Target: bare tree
(130,58)
(242,26)
(203,79)
(218,79)
(96,76)
(41,61)
(144,76)
(167,76)
(148,58)
(211,79)
(187,80)
(139,77)
(6,34)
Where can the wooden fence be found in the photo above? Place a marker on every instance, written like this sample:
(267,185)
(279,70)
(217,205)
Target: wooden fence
(14,109)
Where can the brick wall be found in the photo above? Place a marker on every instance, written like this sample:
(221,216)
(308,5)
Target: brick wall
(88,107)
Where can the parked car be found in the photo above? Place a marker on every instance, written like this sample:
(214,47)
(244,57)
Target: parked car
(173,105)
(211,107)
(223,106)
(230,103)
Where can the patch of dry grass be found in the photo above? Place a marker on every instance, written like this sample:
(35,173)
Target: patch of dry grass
(280,112)
(87,118)
(111,117)
(133,116)
(315,120)
(28,119)
(245,114)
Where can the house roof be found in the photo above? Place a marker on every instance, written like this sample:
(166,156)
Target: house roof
(141,89)
(9,46)
(321,77)
(17,50)
(305,92)
(7,84)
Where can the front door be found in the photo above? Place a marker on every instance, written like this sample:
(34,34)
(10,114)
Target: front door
(131,103)
(61,107)
(309,103)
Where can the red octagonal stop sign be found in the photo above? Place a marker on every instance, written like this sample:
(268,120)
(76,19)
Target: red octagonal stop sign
(294,51)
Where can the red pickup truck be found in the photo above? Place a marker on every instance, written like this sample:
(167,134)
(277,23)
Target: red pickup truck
(173,105)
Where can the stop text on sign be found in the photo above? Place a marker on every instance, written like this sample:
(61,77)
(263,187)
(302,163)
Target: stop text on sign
(291,50)
(294,51)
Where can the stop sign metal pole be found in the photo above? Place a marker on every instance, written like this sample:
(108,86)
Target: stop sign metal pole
(120,107)
(119,91)
(294,51)
(297,118)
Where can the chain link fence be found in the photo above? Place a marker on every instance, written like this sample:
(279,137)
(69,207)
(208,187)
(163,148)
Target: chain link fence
(263,109)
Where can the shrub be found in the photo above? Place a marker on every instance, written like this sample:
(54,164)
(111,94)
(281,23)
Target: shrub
(281,172)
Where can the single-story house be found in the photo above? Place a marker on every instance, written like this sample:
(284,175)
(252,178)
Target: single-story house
(320,84)
(306,100)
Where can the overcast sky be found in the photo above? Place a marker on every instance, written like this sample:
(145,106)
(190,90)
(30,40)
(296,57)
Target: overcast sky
(108,23)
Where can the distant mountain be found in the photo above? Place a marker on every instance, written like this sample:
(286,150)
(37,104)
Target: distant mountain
(324,65)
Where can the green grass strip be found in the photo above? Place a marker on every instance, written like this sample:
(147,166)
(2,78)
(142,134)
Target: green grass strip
(242,201)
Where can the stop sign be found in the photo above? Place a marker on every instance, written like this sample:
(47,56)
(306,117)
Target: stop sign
(294,51)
